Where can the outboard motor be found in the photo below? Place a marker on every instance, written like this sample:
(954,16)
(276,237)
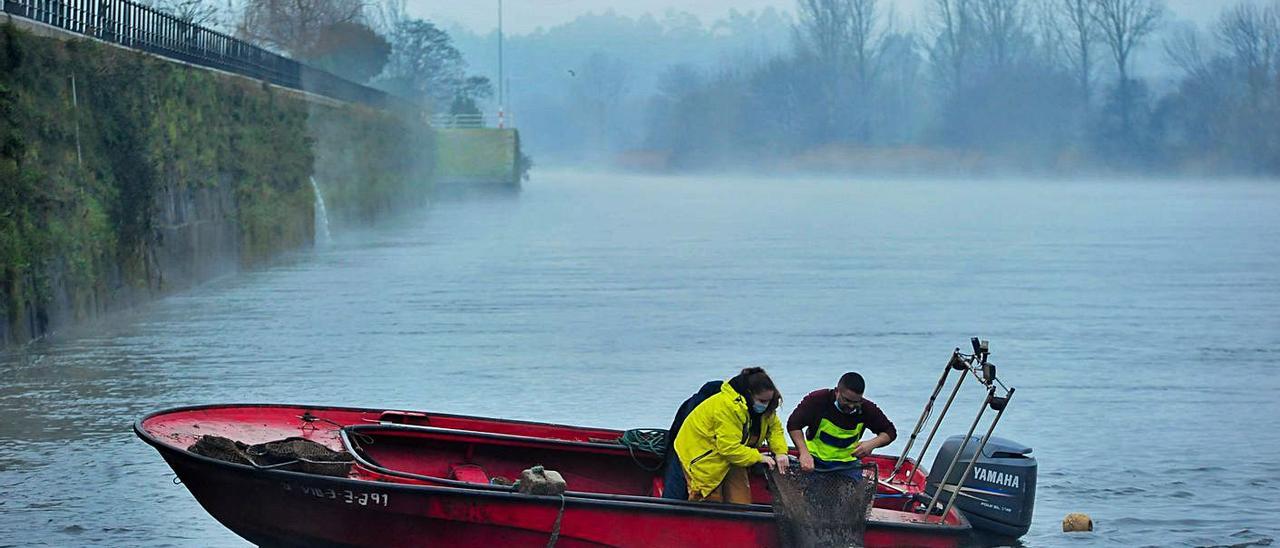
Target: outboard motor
(999,493)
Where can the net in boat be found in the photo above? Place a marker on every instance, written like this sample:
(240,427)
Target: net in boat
(822,509)
(296,454)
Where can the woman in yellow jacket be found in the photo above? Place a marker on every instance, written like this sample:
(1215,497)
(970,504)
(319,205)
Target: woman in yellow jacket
(720,439)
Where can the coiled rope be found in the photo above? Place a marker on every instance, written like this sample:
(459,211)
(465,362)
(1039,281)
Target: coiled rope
(645,440)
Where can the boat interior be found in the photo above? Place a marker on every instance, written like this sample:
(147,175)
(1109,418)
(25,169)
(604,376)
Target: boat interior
(477,453)
(592,469)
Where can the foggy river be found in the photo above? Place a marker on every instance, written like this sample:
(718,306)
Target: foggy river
(1140,322)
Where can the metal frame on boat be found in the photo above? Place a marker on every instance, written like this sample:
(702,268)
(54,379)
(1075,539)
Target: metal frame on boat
(998,396)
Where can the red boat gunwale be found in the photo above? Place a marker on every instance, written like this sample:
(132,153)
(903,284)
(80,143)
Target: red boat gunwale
(149,429)
(763,511)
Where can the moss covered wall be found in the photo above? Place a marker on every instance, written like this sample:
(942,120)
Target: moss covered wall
(180,174)
(481,155)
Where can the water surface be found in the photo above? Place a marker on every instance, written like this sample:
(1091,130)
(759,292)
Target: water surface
(1137,319)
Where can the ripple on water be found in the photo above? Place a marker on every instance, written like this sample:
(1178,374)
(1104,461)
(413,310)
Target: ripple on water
(1095,492)
(1240,539)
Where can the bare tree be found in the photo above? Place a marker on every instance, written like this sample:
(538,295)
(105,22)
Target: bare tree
(823,29)
(295,26)
(1125,24)
(386,16)
(844,38)
(842,33)
(866,42)
(1183,49)
(1073,32)
(901,98)
(203,13)
(952,24)
(1251,36)
(999,26)
(866,37)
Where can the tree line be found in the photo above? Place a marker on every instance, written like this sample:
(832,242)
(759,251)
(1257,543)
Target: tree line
(579,89)
(1047,84)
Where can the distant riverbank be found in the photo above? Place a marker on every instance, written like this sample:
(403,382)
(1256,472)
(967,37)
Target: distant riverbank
(906,161)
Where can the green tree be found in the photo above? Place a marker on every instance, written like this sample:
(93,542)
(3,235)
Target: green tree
(472,90)
(295,26)
(424,63)
(350,50)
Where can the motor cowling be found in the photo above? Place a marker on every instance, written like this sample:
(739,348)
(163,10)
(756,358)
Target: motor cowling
(998,495)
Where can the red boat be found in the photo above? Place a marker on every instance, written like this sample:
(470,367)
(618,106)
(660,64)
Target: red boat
(425,479)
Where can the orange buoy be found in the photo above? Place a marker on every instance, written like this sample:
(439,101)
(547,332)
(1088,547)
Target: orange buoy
(1077,523)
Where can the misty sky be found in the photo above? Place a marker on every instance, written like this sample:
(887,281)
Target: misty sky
(523,16)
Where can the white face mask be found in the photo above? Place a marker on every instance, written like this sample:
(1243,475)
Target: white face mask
(848,412)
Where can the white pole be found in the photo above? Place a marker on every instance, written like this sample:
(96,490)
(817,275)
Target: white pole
(75,105)
(501,95)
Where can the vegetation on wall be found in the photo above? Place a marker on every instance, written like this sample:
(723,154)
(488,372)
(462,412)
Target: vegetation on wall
(369,162)
(81,173)
(57,213)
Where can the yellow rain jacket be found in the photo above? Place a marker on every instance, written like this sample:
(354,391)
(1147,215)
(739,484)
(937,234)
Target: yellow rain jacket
(714,437)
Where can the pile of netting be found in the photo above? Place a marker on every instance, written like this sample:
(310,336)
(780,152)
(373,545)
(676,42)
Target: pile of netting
(295,454)
(822,509)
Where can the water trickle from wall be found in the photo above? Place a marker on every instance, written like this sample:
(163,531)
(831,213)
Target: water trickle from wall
(322,216)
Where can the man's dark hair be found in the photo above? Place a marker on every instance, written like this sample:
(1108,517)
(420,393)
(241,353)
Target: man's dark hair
(853,381)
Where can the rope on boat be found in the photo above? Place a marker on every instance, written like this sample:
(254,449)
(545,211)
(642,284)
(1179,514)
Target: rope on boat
(555,529)
(308,419)
(647,440)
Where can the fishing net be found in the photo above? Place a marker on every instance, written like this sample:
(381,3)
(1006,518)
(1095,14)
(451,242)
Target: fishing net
(296,454)
(822,509)
(223,449)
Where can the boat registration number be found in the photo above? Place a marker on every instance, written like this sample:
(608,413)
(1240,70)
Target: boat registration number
(356,498)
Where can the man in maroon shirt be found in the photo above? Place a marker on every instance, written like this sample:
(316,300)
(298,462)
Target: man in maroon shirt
(828,424)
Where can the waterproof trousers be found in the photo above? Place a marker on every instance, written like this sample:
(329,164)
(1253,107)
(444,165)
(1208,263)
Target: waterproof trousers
(735,488)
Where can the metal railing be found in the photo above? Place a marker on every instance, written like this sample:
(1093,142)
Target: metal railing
(471,121)
(458,120)
(139,27)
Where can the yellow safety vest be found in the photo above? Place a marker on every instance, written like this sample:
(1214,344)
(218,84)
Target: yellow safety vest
(834,444)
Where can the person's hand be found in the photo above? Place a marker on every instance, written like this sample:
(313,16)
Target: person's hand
(806,462)
(768,461)
(784,463)
(862,450)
